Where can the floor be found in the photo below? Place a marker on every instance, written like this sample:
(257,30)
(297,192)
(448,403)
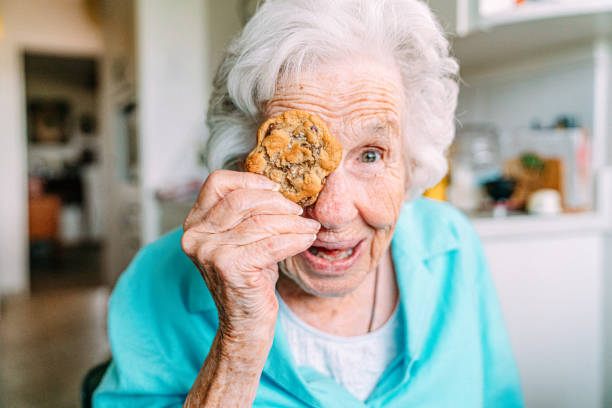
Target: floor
(50,340)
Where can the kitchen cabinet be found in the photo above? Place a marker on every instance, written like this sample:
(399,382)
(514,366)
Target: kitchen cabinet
(553,275)
(550,290)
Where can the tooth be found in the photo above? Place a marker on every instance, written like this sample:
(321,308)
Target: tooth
(342,255)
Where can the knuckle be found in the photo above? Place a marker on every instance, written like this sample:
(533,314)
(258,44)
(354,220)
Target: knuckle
(212,183)
(258,223)
(215,178)
(188,223)
(269,246)
(203,253)
(196,245)
(235,200)
(189,243)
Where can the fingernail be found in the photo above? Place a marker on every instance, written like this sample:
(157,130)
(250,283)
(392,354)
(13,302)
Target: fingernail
(314,237)
(294,208)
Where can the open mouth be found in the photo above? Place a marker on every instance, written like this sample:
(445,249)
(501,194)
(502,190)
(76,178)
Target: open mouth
(333,257)
(331,254)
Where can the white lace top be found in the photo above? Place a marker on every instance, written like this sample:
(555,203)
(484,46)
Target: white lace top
(356,363)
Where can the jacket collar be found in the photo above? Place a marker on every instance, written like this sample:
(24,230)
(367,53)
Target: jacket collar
(420,236)
(423,232)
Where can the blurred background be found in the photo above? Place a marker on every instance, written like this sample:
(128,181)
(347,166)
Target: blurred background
(102,106)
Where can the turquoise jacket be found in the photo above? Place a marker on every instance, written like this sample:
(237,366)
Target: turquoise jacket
(454,349)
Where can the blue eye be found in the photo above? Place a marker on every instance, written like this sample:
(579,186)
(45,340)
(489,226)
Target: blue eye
(370,156)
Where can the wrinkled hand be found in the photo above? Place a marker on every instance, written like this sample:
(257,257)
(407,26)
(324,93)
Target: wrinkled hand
(236,232)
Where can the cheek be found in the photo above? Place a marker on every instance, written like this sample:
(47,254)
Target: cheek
(381,198)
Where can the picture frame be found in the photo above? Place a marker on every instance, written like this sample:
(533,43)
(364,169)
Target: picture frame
(48,121)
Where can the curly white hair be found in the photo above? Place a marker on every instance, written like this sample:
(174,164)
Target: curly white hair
(286,37)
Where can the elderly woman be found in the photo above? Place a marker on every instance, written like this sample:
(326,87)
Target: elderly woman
(372,296)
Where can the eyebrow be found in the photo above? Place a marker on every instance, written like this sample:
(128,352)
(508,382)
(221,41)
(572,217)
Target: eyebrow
(379,127)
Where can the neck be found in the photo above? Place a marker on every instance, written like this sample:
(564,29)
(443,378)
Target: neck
(348,315)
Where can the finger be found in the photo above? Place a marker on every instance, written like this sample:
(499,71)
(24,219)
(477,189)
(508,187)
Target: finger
(221,182)
(202,246)
(239,205)
(274,249)
(260,227)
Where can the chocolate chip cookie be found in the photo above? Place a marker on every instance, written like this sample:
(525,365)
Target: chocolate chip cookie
(296,150)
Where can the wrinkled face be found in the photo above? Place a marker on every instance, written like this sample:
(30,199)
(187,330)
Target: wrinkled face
(360,100)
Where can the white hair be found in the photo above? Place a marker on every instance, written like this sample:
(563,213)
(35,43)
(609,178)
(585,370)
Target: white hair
(286,37)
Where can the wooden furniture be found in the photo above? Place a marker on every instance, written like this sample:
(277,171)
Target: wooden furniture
(43,215)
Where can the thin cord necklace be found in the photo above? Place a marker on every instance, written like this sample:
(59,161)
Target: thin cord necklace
(372,313)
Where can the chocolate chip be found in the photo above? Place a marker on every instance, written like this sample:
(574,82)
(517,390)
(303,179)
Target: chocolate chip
(270,129)
(314,129)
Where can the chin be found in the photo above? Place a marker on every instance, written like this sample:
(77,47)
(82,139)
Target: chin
(330,269)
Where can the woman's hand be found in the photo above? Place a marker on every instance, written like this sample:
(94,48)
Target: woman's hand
(236,232)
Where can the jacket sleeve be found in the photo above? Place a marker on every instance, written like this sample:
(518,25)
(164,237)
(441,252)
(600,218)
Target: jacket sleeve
(501,385)
(139,375)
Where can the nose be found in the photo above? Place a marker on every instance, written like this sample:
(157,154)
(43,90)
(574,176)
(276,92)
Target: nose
(335,207)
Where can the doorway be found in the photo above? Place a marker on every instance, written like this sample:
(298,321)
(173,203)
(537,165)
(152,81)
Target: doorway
(66,195)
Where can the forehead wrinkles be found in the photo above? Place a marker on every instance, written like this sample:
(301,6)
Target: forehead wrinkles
(331,99)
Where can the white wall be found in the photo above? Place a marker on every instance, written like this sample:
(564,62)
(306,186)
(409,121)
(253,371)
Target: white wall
(172,92)
(607,319)
(53,26)
(117,89)
(222,25)
(13,210)
(607,287)
(541,89)
(179,47)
